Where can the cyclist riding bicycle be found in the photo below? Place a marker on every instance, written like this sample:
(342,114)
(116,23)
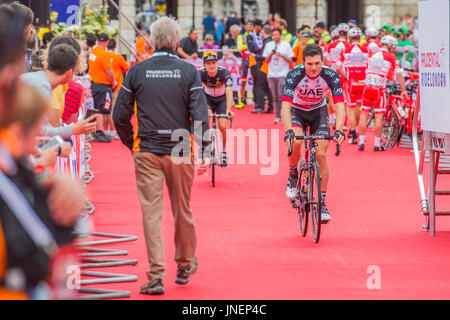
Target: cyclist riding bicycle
(304,105)
(217,84)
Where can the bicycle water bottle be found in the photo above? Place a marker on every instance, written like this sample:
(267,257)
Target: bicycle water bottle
(305,181)
(401,111)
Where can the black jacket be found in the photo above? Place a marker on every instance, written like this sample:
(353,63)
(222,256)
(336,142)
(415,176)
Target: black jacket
(168,94)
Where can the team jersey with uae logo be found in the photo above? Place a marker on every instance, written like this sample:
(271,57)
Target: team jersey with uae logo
(309,94)
(382,66)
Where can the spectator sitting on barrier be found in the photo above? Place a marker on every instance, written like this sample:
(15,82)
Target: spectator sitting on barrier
(188,47)
(209,44)
(231,42)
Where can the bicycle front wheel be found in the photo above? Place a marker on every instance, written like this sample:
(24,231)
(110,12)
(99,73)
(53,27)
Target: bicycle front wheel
(213,159)
(302,195)
(315,197)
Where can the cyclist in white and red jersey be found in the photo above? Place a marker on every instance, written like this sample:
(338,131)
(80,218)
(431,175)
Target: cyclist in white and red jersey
(355,64)
(304,105)
(334,36)
(373,43)
(334,59)
(382,66)
(334,49)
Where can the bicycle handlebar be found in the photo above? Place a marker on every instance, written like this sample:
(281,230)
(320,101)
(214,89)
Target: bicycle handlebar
(222,116)
(315,137)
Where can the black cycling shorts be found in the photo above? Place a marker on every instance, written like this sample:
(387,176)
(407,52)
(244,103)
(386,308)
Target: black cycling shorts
(217,105)
(244,68)
(317,120)
(102,95)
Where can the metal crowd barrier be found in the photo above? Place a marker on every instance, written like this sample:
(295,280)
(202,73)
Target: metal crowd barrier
(439,163)
(90,256)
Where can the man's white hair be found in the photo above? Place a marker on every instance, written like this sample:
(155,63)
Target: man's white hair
(235,26)
(165,33)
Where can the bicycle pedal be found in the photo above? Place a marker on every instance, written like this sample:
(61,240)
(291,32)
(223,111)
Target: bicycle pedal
(294,205)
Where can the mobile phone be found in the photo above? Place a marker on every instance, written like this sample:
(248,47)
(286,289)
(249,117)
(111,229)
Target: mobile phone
(55,141)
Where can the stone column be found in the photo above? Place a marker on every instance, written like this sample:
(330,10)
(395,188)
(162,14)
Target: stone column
(306,12)
(127,31)
(378,12)
(263,10)
(184,14)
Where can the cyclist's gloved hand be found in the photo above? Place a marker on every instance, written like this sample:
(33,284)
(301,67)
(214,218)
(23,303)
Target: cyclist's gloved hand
(339,136)
(290,135)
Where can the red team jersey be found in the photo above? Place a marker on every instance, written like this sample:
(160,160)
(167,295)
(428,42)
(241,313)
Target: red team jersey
(373,46)
(333,52)
(355,62)
(382,66)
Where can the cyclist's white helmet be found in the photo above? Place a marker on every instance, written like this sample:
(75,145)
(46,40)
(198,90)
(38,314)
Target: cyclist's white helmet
(372,32)
(343,27)
(335,33)
(354,32)
(389,40)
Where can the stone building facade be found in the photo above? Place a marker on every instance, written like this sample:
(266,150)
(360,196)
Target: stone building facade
(190,13)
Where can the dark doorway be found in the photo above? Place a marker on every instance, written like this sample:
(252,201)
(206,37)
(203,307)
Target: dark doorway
(343,10)
(172,7)
(287,10)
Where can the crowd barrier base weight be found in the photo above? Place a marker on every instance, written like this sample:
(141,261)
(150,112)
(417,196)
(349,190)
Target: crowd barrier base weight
(104,277)
(87,253)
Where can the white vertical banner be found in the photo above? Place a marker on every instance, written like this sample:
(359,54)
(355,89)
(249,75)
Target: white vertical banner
(434,64)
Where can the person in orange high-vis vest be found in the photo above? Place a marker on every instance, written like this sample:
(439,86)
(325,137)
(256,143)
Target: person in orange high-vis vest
(120,67)
(143,47)
(298,49)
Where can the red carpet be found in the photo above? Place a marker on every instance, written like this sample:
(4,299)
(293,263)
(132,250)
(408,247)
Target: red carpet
(249,246)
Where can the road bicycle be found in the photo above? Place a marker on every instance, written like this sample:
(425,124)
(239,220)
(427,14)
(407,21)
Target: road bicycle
(400,112)
(309,194)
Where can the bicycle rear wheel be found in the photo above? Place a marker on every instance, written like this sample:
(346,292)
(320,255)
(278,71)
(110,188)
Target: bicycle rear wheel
(315,197)
(391,129)
(213,174)
(213,159)
(302,195)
